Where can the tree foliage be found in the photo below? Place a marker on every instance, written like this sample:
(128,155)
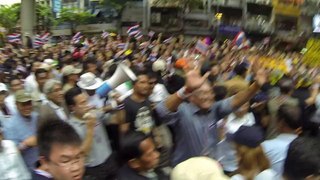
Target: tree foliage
(117,4)
(45,13)
(9,16)
(178,3)
(74,16)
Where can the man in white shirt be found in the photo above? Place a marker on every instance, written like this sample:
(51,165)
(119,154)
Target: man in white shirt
(289,128)
(4,109)
(15,84)
(30,82)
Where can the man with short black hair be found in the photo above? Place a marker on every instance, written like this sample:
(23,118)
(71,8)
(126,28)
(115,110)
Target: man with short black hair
(100,162)
(140,156)
(302,162)
(138,107)
(289,127)
(286,88)
(42,75)
(60,152)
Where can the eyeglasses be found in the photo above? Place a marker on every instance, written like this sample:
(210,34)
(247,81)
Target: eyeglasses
(68,164)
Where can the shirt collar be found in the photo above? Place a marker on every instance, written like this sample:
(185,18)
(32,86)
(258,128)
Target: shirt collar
(149,174)
(196,110)
(32,116)
(43,173)
(53,105)
(287,136)
(77,120)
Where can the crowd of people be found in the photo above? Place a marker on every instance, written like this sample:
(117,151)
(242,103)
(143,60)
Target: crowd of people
(226,112)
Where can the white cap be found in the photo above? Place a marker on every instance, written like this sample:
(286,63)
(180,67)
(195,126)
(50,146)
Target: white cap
(198,168)
(3,87)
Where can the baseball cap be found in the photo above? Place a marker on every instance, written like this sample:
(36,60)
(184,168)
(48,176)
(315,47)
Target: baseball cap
(199,168)
(23,96)
(3,87)
(251,136)
(51,62)
(70,69)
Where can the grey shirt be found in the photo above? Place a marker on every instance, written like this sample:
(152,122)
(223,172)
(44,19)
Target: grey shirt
(101,149)
(195,132)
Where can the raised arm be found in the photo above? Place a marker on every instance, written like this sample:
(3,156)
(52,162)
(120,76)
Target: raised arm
(193,81)
(260,79)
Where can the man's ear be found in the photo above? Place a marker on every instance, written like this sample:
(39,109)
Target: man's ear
(71,108)
(312,177)
(43,163)
(298,131)
(134,163)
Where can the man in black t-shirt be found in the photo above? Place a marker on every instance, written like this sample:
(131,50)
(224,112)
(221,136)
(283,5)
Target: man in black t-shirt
(138,108)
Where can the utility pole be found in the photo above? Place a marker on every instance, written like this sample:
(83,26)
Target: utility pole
(27,17)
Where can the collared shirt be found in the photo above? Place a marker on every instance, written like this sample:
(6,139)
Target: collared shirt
(234,123)
(12,165)
(18,129)
(59,111)
(276,150)
(31,83)
(39,174)
(267,174)
(195,132)
(101,149)
(95,101)
(10,102)
(159,93)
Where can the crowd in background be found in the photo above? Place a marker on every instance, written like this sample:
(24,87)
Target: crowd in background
(223,112)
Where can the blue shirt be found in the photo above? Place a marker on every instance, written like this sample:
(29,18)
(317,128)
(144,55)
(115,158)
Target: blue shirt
(276,150)
(195,132)
(101,149)
(18,129)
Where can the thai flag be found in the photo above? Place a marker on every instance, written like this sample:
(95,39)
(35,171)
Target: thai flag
(166,41)
(133,30)
(14,38)
(202,47)
(76,38)
(151,33)
(138,35)
(121,45)
(153,56)
(238,40)
(86,43)
(104,35)
(45,37)
(37,41)
(40,40)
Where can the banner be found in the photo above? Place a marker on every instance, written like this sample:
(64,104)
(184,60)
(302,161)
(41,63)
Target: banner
(312,56)
(202,47)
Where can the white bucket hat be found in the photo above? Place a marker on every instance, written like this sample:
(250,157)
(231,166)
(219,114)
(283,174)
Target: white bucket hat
(89,81)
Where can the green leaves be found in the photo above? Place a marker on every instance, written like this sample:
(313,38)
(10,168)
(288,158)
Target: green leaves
(74,16)
(9,16)
(178,3)
(45,12)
